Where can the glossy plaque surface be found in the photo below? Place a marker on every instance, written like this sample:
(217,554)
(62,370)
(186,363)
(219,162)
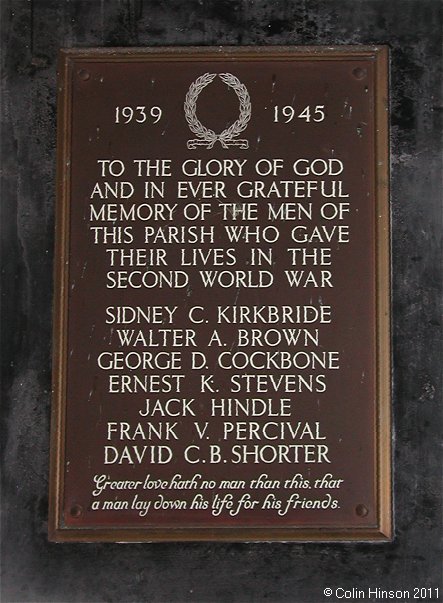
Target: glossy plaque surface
(221,339)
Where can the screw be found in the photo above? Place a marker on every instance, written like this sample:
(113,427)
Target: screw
(76,510)
(83,75)
(359,73)
(361,510)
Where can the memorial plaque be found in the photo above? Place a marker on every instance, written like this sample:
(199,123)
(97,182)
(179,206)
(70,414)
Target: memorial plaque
(221,339)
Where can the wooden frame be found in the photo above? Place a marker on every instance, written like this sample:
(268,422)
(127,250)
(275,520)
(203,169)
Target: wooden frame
(383,530)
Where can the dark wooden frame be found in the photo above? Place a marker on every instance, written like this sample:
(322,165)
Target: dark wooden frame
(383,531)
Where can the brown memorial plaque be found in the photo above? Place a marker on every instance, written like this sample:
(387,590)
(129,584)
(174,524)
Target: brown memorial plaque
(221,339)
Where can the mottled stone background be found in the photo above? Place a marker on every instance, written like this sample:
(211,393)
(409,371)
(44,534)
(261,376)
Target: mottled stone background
(33,569)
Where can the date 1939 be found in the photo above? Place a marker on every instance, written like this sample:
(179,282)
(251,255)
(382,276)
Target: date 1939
(139,114)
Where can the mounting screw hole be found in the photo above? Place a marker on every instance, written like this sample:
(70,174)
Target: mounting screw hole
(359,73)
(76,510)
(361,510)
(83,74)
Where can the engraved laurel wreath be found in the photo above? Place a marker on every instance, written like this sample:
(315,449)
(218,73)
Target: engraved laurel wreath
(207,137)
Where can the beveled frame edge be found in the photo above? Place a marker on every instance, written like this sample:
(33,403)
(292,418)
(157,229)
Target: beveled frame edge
(60,309)
(383,531)
(210,534)
(383,294)
(220,53)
